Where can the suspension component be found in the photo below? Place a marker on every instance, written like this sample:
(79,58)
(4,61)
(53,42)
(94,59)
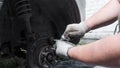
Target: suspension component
(23,12)
(22,7)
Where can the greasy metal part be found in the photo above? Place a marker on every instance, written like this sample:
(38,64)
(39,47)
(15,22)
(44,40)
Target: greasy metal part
(46,57)
(45,54)
(63,38)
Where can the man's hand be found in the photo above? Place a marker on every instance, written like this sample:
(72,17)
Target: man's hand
(62,48)
(74,30)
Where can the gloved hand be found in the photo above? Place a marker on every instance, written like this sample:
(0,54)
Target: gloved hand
(62,48)
(74,30)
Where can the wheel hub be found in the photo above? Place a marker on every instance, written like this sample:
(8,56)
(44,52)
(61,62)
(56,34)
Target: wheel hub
(47,57)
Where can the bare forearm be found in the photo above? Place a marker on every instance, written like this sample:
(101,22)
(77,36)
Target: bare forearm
(103,52)
(106,15)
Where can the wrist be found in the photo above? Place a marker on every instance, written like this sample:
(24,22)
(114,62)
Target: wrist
(72,52)
(69,52)
(90,24)
(84,27)
(68,48)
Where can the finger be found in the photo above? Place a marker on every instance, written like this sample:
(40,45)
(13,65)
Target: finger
(69,28)
(75,34)
(67,33)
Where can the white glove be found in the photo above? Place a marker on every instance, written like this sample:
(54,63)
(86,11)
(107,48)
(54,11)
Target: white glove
(74,30)
(62,48)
